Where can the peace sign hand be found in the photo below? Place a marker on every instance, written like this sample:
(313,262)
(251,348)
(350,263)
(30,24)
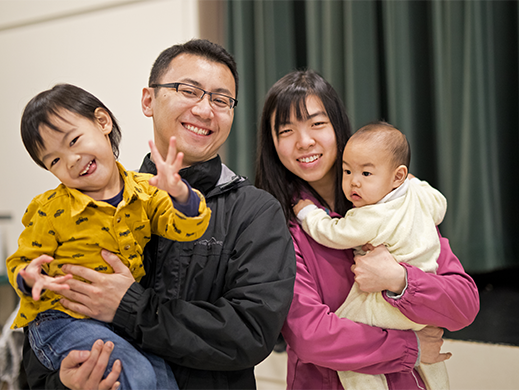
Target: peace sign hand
(167,177)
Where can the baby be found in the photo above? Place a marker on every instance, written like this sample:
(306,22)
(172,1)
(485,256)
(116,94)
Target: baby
(392,210)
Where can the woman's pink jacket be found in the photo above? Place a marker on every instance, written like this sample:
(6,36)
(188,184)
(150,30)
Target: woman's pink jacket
(320,343)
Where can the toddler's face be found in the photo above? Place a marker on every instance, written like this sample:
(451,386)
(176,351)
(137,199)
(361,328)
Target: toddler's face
(368,173)
(80,154)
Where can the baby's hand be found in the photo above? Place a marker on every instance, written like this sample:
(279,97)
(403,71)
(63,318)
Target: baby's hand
(301,205)
(34,278)
(367,247)
(167,178)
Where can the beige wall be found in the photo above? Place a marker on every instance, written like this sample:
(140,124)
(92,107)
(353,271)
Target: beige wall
(104,46)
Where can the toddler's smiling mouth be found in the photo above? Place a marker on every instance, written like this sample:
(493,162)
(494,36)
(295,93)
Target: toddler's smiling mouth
(85,171)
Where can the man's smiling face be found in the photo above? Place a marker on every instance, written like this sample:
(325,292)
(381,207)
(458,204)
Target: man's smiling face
(199,127)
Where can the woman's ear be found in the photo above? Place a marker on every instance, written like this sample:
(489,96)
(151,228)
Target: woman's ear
(399,176)
(104,120)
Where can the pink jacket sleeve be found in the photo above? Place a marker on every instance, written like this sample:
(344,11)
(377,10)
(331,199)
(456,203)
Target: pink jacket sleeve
(316,335)
(448,299)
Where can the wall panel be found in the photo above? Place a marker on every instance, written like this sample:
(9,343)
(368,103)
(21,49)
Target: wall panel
(104,46)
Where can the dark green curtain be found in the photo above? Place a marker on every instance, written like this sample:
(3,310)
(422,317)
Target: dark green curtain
(444,72)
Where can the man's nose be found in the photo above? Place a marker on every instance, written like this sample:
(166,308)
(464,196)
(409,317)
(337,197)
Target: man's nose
(203,107)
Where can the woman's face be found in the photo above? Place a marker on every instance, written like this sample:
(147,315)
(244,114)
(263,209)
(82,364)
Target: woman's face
(308,147)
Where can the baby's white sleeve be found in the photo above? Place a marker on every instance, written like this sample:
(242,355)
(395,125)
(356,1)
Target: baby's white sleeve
(305,211)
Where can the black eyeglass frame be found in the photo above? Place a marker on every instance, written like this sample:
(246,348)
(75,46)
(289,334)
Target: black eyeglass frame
(175,86)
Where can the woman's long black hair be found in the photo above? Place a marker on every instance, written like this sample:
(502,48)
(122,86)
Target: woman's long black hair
(287,94)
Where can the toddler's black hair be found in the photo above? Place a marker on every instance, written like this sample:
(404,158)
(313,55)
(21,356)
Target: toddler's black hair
(47,105)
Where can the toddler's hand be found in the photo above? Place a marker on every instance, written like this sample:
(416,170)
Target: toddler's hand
(34,278)
(301,205)
(167,178)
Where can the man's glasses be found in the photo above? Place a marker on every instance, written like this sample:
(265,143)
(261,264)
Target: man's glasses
(192,93)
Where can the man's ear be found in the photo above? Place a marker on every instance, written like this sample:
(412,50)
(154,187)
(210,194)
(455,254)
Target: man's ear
(146,100)
(104,120)
(399,176)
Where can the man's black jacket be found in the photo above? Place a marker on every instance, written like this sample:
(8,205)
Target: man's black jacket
(213,308)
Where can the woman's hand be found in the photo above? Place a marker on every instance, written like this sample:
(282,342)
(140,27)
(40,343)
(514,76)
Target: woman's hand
(100,298)
(431,341)
(377,271)
(85,369)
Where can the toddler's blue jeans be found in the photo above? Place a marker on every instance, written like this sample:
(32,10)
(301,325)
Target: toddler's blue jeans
(53,334)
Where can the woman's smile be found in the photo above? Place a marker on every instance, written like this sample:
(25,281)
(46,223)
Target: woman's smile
(309,159)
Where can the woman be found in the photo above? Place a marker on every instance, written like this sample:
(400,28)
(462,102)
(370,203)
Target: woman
(304,128)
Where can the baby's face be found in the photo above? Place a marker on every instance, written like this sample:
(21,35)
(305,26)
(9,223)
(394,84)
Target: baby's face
(80,154)
(368,172)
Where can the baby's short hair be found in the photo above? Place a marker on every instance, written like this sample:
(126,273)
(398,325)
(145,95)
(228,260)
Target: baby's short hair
(394,140)
(47,104)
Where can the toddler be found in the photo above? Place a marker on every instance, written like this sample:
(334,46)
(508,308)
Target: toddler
(98,205)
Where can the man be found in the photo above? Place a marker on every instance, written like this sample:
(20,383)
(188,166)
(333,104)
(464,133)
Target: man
(212,308)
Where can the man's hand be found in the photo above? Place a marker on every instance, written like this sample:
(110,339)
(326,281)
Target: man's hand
(301,205)
(85,369)
(101,298)
(167,177)
(378,271)
(431,342)
(38,281)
